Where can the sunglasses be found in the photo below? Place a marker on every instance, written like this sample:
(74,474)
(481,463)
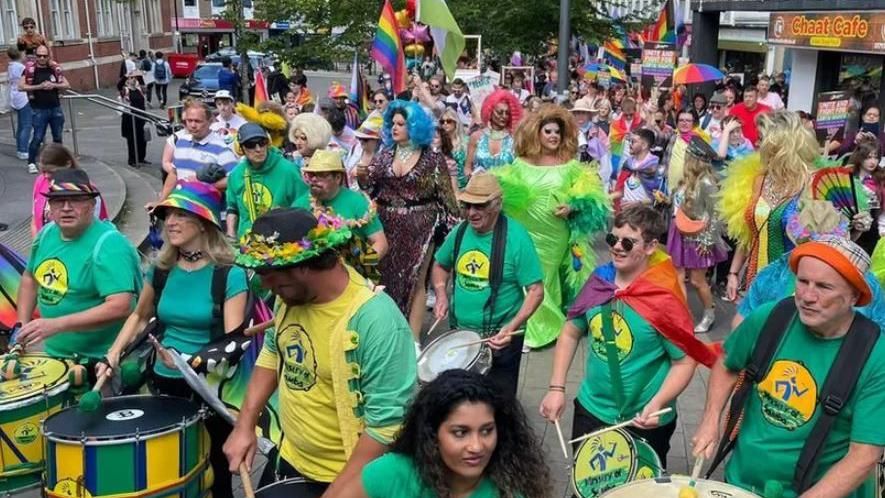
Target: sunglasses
(42,56)
(254,144)
(715,107)
(379,102)
(467,206)
(627,244)
(29,26)
(446,121)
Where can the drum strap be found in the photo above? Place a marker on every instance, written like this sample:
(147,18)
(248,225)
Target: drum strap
(611,355)
(218,290)
(496,272)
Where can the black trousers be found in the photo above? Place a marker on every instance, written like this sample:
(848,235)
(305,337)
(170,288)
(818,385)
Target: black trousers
(218,429)
(658,438)
(136,147)
(724,267)
(161,92)
(505,366)
(278,469)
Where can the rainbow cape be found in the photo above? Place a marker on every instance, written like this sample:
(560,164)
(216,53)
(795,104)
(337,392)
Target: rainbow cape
(657,297)
(11,268)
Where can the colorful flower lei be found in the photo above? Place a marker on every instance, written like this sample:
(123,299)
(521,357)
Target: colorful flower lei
(360,222)
(264,251)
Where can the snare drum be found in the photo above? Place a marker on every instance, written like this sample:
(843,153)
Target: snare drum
(612,459)
(296,487)
(669,486)
(25,403)
(448,352)
(138,446)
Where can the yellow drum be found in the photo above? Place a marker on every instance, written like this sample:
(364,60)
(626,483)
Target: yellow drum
(25,402)
(612,459)
(668,487)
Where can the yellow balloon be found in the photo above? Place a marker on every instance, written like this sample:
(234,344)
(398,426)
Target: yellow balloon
(414,50)
(402,19)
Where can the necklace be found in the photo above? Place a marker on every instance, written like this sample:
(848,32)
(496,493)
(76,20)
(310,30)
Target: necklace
(190,256)
(772,196)
(404,153)
(498,134)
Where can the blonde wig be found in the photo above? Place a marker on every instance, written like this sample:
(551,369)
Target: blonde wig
(528,134)
(317,130)
(212,243)
(696,169)
(457,135)
(787,149)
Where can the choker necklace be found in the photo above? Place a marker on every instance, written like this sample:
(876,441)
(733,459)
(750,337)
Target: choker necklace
(404,153)
(498,134)
(190,256)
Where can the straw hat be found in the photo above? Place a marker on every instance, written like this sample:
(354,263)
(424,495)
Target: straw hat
(324,161)
(482,188)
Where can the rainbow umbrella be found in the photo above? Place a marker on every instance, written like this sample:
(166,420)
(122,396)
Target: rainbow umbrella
(696,73)
(11,268)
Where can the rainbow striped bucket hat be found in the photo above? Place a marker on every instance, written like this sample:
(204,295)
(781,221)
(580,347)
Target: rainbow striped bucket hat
(201,199)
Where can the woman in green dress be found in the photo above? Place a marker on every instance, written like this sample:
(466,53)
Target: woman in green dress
(562,203)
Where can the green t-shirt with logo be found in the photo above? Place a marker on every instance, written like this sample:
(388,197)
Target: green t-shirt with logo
(77,275)
(645,356)
(395,476)
(185,309)
(276,184)
(472,272)
(782,409)
(354,207)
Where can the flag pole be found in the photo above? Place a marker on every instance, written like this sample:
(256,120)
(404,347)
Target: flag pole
(562,59)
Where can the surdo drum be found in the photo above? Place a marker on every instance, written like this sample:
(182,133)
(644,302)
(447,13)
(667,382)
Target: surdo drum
(612,459)
(453,350)
(669,486)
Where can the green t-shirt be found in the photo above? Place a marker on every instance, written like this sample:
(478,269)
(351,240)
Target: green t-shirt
(472,272)
(782,409)
(277,184)
(77,275)
(185,309)
(352,206)
(395,476)
(645,357)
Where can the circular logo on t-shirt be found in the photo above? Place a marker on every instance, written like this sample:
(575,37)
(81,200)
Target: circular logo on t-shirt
(299,358)
(623,336)
(52,277)
(262,198)
(788,395)
(473,271)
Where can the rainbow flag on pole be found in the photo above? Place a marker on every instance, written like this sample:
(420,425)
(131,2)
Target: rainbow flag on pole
(664,29)
(387,48)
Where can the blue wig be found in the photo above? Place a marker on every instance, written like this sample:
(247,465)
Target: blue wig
(418,123)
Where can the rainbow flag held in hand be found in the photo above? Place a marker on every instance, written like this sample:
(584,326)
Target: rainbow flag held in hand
(387,48)
(260,88)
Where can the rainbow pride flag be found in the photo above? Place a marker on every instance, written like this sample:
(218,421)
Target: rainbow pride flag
(359,90)
(664,29)
(387,48)
(614,53)
(11,268)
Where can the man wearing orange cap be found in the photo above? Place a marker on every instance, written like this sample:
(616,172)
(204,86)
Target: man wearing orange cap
(339,95)
(790,395)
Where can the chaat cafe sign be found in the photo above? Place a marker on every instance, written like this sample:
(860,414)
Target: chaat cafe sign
(860,31)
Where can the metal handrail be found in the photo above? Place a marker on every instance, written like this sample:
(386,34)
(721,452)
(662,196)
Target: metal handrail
(108,103)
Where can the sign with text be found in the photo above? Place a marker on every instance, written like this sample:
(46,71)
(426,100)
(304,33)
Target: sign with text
(482,86)
(658,61)
(857,31)
(832,115)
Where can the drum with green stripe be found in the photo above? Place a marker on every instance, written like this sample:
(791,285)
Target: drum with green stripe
(25,402)
(132,447)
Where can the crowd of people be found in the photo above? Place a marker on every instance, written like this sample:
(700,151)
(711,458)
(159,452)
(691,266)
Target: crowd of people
(487,214)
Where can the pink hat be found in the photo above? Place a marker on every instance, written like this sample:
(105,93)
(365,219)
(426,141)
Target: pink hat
(337,90)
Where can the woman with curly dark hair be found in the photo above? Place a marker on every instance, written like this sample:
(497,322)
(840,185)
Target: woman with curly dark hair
(462,438)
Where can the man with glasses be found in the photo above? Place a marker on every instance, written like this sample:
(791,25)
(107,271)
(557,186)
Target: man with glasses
(498,281)
(263,180)
(642,351)
(674,155)
(712,121)
(28,41)
(83,276)
(42,80)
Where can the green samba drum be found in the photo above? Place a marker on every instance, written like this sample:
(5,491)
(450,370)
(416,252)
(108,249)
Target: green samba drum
(131,447)
(610,460)
(25,402)
(669,486)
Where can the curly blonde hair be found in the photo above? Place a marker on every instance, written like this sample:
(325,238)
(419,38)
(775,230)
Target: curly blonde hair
(787,149)
(696,169)
(317,130)
(528,140)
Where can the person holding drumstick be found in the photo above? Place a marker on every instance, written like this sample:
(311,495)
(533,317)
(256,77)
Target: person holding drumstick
(341,354)
(494,292)
(462,437)
(642,350)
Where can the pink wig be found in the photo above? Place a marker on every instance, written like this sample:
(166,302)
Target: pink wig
(496,98)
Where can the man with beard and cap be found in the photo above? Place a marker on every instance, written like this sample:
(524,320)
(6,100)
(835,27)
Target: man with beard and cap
(341,355)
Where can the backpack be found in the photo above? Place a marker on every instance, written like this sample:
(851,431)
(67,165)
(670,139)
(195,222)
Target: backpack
(160,70)
(145,65)
(218,290)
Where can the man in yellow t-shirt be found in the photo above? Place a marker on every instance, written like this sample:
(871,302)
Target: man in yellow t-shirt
(341,356)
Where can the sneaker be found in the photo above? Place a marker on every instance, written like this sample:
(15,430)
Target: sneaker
(706,321)
(32,169)
(22,155)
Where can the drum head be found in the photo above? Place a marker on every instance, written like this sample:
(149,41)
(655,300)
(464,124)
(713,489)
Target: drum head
(669,486)
(39,373)
(288,488)
(603,462)
(440,356)
(122,417)
(648,465)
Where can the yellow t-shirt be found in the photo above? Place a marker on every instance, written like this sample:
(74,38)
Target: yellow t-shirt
(676,166)
(312,437)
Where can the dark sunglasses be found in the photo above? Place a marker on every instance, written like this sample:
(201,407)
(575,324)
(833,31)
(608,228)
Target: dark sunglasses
(380,101)
(254,144)
(627,244)
(466,206)
(446,121)
(42,56)
(29,26)
(715,107)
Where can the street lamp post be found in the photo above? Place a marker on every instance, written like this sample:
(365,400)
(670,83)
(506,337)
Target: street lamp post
(562,59)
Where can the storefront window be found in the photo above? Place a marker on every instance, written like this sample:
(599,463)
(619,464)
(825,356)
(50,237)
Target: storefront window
(861,73)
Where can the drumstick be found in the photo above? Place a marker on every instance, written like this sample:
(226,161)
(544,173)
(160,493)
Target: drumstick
(487,339)
(561,439)
(247,481)
(433,327)
(259,328)
(696,471)
(618,426)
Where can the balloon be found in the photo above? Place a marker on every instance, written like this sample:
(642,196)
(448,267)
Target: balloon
(407,36)
(410,7)
(414,50)
(421,33)
(516,59)
(403,19)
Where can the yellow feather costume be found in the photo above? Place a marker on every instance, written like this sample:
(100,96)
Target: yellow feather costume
(270,116)
(735,196)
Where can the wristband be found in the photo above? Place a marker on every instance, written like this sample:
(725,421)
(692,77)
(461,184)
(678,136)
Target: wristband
(733,273)
(554,387)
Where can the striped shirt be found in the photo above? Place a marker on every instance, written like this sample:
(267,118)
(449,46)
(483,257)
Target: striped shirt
(191,156)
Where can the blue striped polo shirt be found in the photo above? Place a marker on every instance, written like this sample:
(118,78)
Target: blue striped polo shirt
(192,155)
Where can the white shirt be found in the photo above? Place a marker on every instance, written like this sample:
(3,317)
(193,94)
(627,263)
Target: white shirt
(773,100)
(149,74)
(226,129)
(17,98)
(130,65)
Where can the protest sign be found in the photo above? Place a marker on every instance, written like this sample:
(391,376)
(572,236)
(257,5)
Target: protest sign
(658,60)
(832,115)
